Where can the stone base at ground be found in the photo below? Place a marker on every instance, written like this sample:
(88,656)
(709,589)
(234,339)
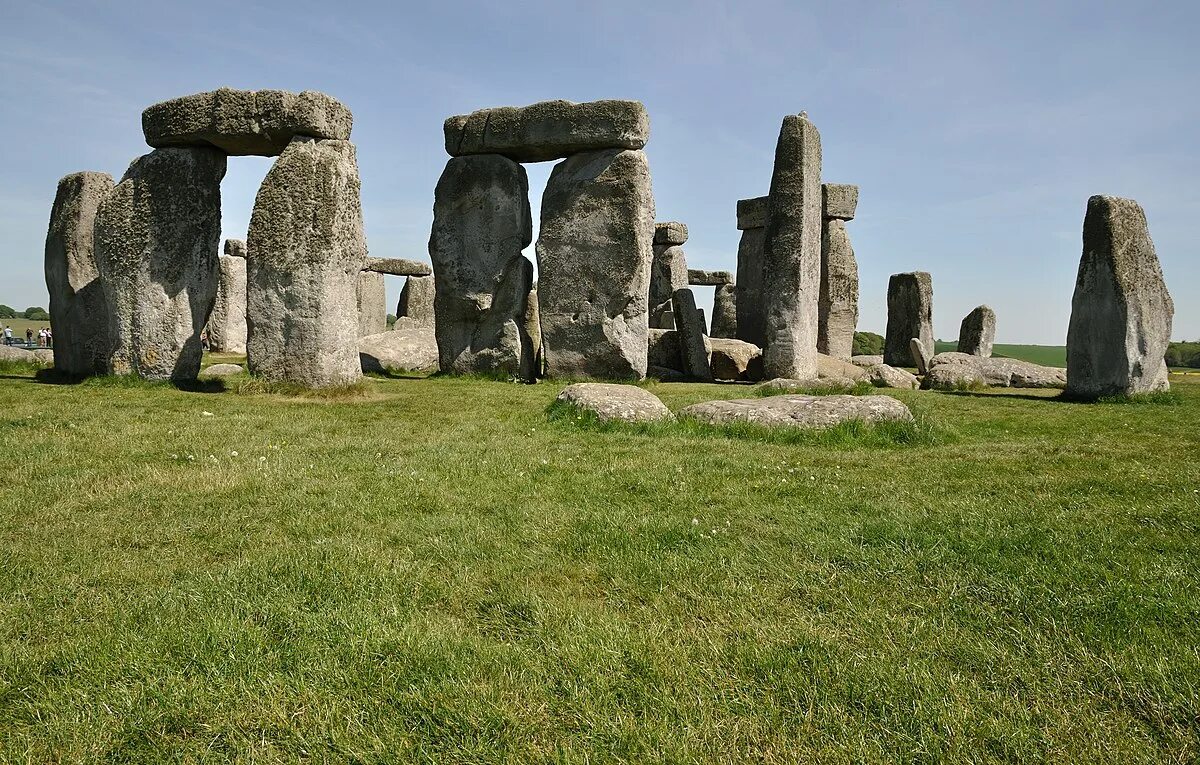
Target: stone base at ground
(623,403)
(797,411)
(222,370)
(735,360)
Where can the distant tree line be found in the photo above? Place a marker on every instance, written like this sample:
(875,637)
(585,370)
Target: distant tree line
(1184,354)
(867,344)
(33,314)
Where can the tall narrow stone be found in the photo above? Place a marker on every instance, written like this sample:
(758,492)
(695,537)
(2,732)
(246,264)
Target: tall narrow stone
(724,320)
(1121,312)
(669,272)
(227,324)
(838,308)
(533,329)
(594,254)
(156,243)
(977,332)
(416,300)
(792,252)
(693,345)
(304,252)
(910,314)
(751,316)
(481,222)
(79,312)
(371,297)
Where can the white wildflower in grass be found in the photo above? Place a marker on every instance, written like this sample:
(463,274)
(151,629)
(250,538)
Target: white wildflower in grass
(695,522)
(233,454)
(207,414)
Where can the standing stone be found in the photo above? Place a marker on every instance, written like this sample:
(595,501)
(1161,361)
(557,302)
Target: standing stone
(416,300)
(227,324)
(594,253)
(235,248)
(838,310)
(78,309)
(156,243)
(304,253)
(371,298)
(693,347)
(792,252)
(481,222)
(533,329)
(1121,312)
(724,320)
(669,272)
(751,318)
(977,332)
(910,314)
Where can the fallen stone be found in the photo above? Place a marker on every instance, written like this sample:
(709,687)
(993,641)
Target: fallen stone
(8,353)
(977,332)
(752,213)
(156,240)
(227,322)
(416,300)
(735,360)
(866,361)
(397,266)
(837,310)
(829,368)
(548,130)
(79,311)
(304,251)
(952,377)
(616,403)
(1002,372)
(221,370)
(242,122)
(406,349)
(371,297)
(700,278)
(724,320)
(920,354)
(693,344)
(910,314)
(594,255)
(1121,311)
(884,376)
(670,232)
(799,411)
(840,200)
(235,248)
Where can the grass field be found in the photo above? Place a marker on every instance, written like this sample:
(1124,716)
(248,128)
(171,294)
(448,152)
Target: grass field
(19,326)
(434,571)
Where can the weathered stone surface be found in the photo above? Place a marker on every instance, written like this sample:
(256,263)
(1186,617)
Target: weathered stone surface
(920,354)
(670,232)
(952,377)
(371,298)
(242,122)
(837,310)
(830,368)
(751,316)
(724,320)
(156,241)
(227,323)
(533,330)
(663,350)
(397,266)
(1121,312)
(1002,372)
(840,200)
(884,376)
(416,300)
(304,252)
(698,277)
(8,353)
(668,272)
(79,313)
(623,403)
(866,361)
(735,360)
(792,252)
(235,248)
(977,332)
(910,314)
(594,254)
(222,370)
(481,222)
(664,374)
(797,411)
(752,213)
(693,345)
(405,349)
(548,129)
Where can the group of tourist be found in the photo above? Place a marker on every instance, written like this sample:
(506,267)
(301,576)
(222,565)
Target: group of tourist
(45,337)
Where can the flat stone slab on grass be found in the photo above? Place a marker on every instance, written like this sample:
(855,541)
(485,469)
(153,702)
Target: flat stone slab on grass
(222,370)
(885,376)
(616,403)
(403,349)
(991,370)
(800,411)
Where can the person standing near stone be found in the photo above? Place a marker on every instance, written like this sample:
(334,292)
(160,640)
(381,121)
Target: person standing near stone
(977,332)
(910,315)
(837,315)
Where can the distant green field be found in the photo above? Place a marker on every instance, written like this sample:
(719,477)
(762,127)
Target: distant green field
(1049,355)
(19,325)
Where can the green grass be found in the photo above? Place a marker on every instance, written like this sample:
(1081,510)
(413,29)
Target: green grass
(437,571)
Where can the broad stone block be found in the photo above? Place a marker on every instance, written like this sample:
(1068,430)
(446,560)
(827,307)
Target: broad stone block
(305,250)
(416,300)
(751,319)
(910,314)
(700,278)
(735,360)
(1121,312)
(724,320)
(840,200)
(242,122)
(693,345)
(481,222)
(663,350)
(405,349)
(235,248)
(837,311)
(669,272)
(621,403)
(79,313)
(227,323)
(752,213)
(156,244)
(977,332)
(670,232)
(397,266)
(797,411)
(548,129)
(594,255)
(371,292)
(792,252)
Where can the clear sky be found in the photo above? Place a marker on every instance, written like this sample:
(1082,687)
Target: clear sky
(976,131)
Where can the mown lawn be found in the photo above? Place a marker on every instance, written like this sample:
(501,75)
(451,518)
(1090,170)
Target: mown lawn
(433,571)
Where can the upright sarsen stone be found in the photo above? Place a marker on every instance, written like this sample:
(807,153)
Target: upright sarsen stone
(693,346)
(837,314)
(1121,312)
(481,222)
(792,253)
(371,293)
(977,332)
(910,315)
(156,241)
(594,255)
(304,253)
(79,312)
(751,317)
(668,272)
(724,319)
(227,324)
(416,300)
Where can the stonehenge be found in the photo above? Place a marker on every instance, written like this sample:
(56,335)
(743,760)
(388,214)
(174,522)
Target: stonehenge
(909,315)
(1121,312)
(416,301)
(837,310)
(724,319)
(227,323)
(977,332)
(371,300)
(397,266)
(693,346)
(548,130)
(752,222)
(669,271)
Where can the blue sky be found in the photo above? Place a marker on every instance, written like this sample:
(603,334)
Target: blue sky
(976,131)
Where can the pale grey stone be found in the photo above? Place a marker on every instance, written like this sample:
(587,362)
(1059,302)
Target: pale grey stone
(304,252)
(977,332)
(752,213)
(235,248)
(1002,372)
(8,353)
(663,349)
(371,297)
(799,411)
(952,377)
(693,344)
(670,232)
(920,354)
(244,122)
(841,200)
(724,320)
(866,361)
(792,252)
(548,130)
(837,311)
(910,314)
(533,331)
(481,222)
(594,255)
(404,349)
(79,313)
(222,370)
(669,272)
(397,266)
(156,240)
(227,323)
(751,318)
(735,360)
(416,300)
(830,368)
(616,403)
(700,278)
(1121,312)
(884,376)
